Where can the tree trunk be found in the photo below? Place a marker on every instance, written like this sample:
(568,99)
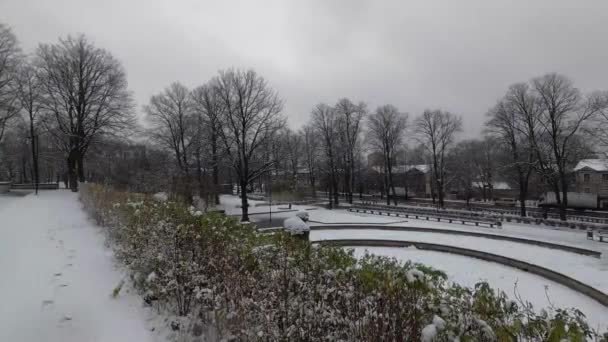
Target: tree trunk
(72,175)
(334,185)
(391,183)
(351,186)
(563,207)
(35,158)
(199,177)
(216,173)
(80,161)
(523,194)
(386,183)
(558,199)
(244,202)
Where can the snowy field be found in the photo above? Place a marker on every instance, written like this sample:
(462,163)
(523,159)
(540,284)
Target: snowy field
(57,276)
(467,272)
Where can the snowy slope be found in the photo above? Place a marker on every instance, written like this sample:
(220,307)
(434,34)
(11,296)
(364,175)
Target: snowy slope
(57,276)
(467,271)
(591,271)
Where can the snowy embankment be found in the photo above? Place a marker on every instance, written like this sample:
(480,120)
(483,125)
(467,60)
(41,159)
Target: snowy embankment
(58,278)
(529,287)
(591,271)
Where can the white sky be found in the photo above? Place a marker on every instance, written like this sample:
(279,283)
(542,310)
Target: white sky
(455,55)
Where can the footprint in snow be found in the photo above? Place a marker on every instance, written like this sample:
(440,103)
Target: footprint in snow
(47,303)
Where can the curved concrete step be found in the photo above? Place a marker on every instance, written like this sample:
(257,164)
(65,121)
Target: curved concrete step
(557,277)
(567,248)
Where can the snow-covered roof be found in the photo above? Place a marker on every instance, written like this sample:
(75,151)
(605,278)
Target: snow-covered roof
(422,168)
(593,164)
(495,185)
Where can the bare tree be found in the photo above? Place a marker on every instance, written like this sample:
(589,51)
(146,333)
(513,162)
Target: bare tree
(563,112)
(385,130)
(290,155)
(175,127)
(10,55)
(85,96)
(325,121)
(599,127)
(513,120)
(350,116)
(207,105)
(310,139)
(436,129)
(461,160)
(29,93)
(484,156)
(251,115)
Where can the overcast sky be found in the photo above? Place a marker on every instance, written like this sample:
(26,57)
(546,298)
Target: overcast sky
(453,55)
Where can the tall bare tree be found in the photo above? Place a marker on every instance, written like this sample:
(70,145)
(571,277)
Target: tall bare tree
(563,112)
(350,116)
(85,95)
(251,115)
(385,132)
(175,127)
(436,129)
(10,56)
(325,121)
(513,120)
(310,139)
(29,93)
(207,105)
(461,161)
(484,156)
(293,154)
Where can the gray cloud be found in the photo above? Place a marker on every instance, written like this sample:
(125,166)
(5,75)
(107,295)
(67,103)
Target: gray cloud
(455,55)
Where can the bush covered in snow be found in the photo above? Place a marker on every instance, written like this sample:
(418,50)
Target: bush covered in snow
(228,282)
(297,224)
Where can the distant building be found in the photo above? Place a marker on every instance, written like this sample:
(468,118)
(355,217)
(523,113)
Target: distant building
(591,176)
(417,178)
(498,189)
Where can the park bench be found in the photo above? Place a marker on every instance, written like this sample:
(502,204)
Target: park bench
(430,215)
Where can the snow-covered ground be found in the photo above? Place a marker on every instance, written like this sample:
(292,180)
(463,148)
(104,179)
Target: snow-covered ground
(58,278)
(4,200)
(589,270)
(467,272)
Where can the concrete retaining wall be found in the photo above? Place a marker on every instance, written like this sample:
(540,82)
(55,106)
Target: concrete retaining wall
(430,215)
(557,277)
(572,249)
(32,186)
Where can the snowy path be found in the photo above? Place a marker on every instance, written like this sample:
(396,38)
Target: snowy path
(57,276)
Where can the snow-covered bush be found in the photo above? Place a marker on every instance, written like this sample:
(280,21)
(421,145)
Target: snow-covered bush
(213,272)
(297,224)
